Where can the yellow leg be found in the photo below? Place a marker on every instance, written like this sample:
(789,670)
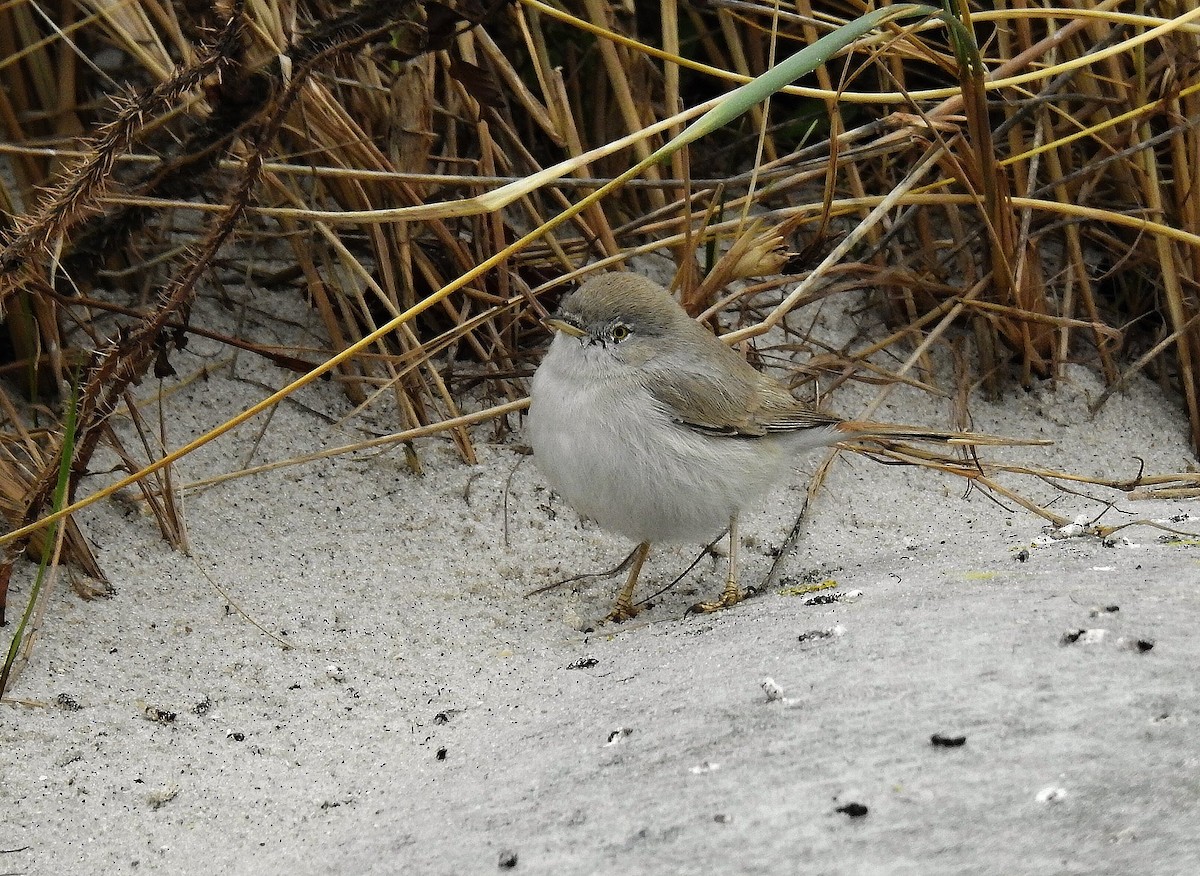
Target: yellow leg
(625,609)
(732,594)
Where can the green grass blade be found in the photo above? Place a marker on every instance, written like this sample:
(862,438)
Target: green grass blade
(60,499)
(806,60)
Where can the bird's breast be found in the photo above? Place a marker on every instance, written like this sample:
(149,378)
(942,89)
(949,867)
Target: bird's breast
(613,452)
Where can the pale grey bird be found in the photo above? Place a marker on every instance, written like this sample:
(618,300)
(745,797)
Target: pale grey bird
(647,423)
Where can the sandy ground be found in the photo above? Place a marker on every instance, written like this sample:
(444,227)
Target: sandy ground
(431,718)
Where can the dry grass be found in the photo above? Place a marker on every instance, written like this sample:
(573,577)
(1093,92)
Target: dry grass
(1022,178)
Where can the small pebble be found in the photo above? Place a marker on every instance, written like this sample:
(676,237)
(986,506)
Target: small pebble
(1051,795)
(831,598)
(157,715)
(940,740)
(827,633)
(1141,646)
(854,810)
(775,694)
(508,859)
(619,735)
(1083,637)
(160,798)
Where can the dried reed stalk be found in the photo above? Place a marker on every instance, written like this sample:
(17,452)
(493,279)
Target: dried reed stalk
(1019,181)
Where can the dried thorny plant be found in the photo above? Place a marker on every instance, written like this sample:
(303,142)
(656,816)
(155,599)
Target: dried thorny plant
(1019,180)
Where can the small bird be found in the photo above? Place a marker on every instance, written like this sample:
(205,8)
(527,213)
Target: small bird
(647,423)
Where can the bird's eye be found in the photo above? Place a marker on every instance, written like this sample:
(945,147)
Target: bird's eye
(620,332)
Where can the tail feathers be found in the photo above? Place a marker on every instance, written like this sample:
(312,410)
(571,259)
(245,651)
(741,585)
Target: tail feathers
(860,430)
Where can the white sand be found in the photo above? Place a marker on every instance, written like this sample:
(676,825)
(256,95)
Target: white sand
(428,719)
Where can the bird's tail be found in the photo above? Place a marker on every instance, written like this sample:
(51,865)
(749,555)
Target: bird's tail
(854,431)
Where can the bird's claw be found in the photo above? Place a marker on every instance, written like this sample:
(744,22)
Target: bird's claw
(729,597)
(622,612)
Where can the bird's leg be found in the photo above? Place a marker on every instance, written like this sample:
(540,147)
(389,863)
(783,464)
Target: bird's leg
(625,609)
(732,594)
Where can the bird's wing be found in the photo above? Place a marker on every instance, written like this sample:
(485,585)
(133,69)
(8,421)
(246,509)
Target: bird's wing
(733,400)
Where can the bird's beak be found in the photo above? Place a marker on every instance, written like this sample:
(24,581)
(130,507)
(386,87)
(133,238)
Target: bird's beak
(561,325)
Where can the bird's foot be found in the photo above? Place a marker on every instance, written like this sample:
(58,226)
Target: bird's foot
(624,610)
(731,595)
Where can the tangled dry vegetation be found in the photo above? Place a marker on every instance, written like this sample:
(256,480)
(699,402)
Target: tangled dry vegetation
(1021,178)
